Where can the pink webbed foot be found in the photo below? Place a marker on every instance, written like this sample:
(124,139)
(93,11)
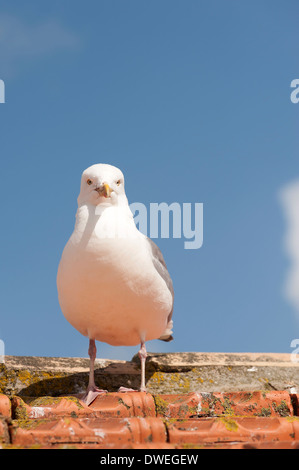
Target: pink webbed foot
(91,394)
(125,389)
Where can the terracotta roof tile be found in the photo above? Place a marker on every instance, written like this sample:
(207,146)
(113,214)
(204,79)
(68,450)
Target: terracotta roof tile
(238,419)
(104,432)
(140,420)
(4,433)
(295,403)
(259,403)
(118,405)
(124,405)
(228,429)
(5,406)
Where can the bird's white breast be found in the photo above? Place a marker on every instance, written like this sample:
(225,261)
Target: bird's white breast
(107,284)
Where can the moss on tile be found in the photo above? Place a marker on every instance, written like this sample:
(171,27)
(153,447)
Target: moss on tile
(291,419)
(227,405)
(20,411)
(230,424)
(121,402)
(28,423)
(265,412)
(48,401)
(282,409)
(161,405)
(246,396)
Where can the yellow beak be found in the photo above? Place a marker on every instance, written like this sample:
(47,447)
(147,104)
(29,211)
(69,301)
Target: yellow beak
(106,190)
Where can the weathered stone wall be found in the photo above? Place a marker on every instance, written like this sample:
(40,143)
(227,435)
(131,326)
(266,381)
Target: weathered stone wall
(165,373)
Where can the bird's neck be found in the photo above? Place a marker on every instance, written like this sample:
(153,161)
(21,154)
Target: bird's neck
(103,220)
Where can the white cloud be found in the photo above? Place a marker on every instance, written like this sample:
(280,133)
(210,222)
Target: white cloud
(21,41)
(289,197)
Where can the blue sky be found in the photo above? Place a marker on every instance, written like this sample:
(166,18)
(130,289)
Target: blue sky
(178,94)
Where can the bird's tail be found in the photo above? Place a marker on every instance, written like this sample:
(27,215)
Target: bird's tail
(167,335)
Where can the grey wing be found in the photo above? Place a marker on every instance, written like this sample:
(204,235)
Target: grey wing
(161,267)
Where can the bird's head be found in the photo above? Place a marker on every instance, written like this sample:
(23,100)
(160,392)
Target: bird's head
(102,184)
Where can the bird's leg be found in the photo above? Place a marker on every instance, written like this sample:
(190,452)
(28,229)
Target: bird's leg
(92,390)
(142,355)
(92,352)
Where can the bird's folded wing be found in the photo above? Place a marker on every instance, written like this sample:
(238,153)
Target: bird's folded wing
(160,265)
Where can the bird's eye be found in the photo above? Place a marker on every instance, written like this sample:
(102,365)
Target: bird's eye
(118,182)
(89,182)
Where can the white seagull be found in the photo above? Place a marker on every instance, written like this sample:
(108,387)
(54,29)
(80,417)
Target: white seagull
(113,284)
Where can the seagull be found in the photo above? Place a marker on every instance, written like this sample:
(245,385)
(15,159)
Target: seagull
(112,281)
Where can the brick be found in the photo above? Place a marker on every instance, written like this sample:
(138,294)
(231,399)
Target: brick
(105,432)
(240,429)
(258,403)
(5,406)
